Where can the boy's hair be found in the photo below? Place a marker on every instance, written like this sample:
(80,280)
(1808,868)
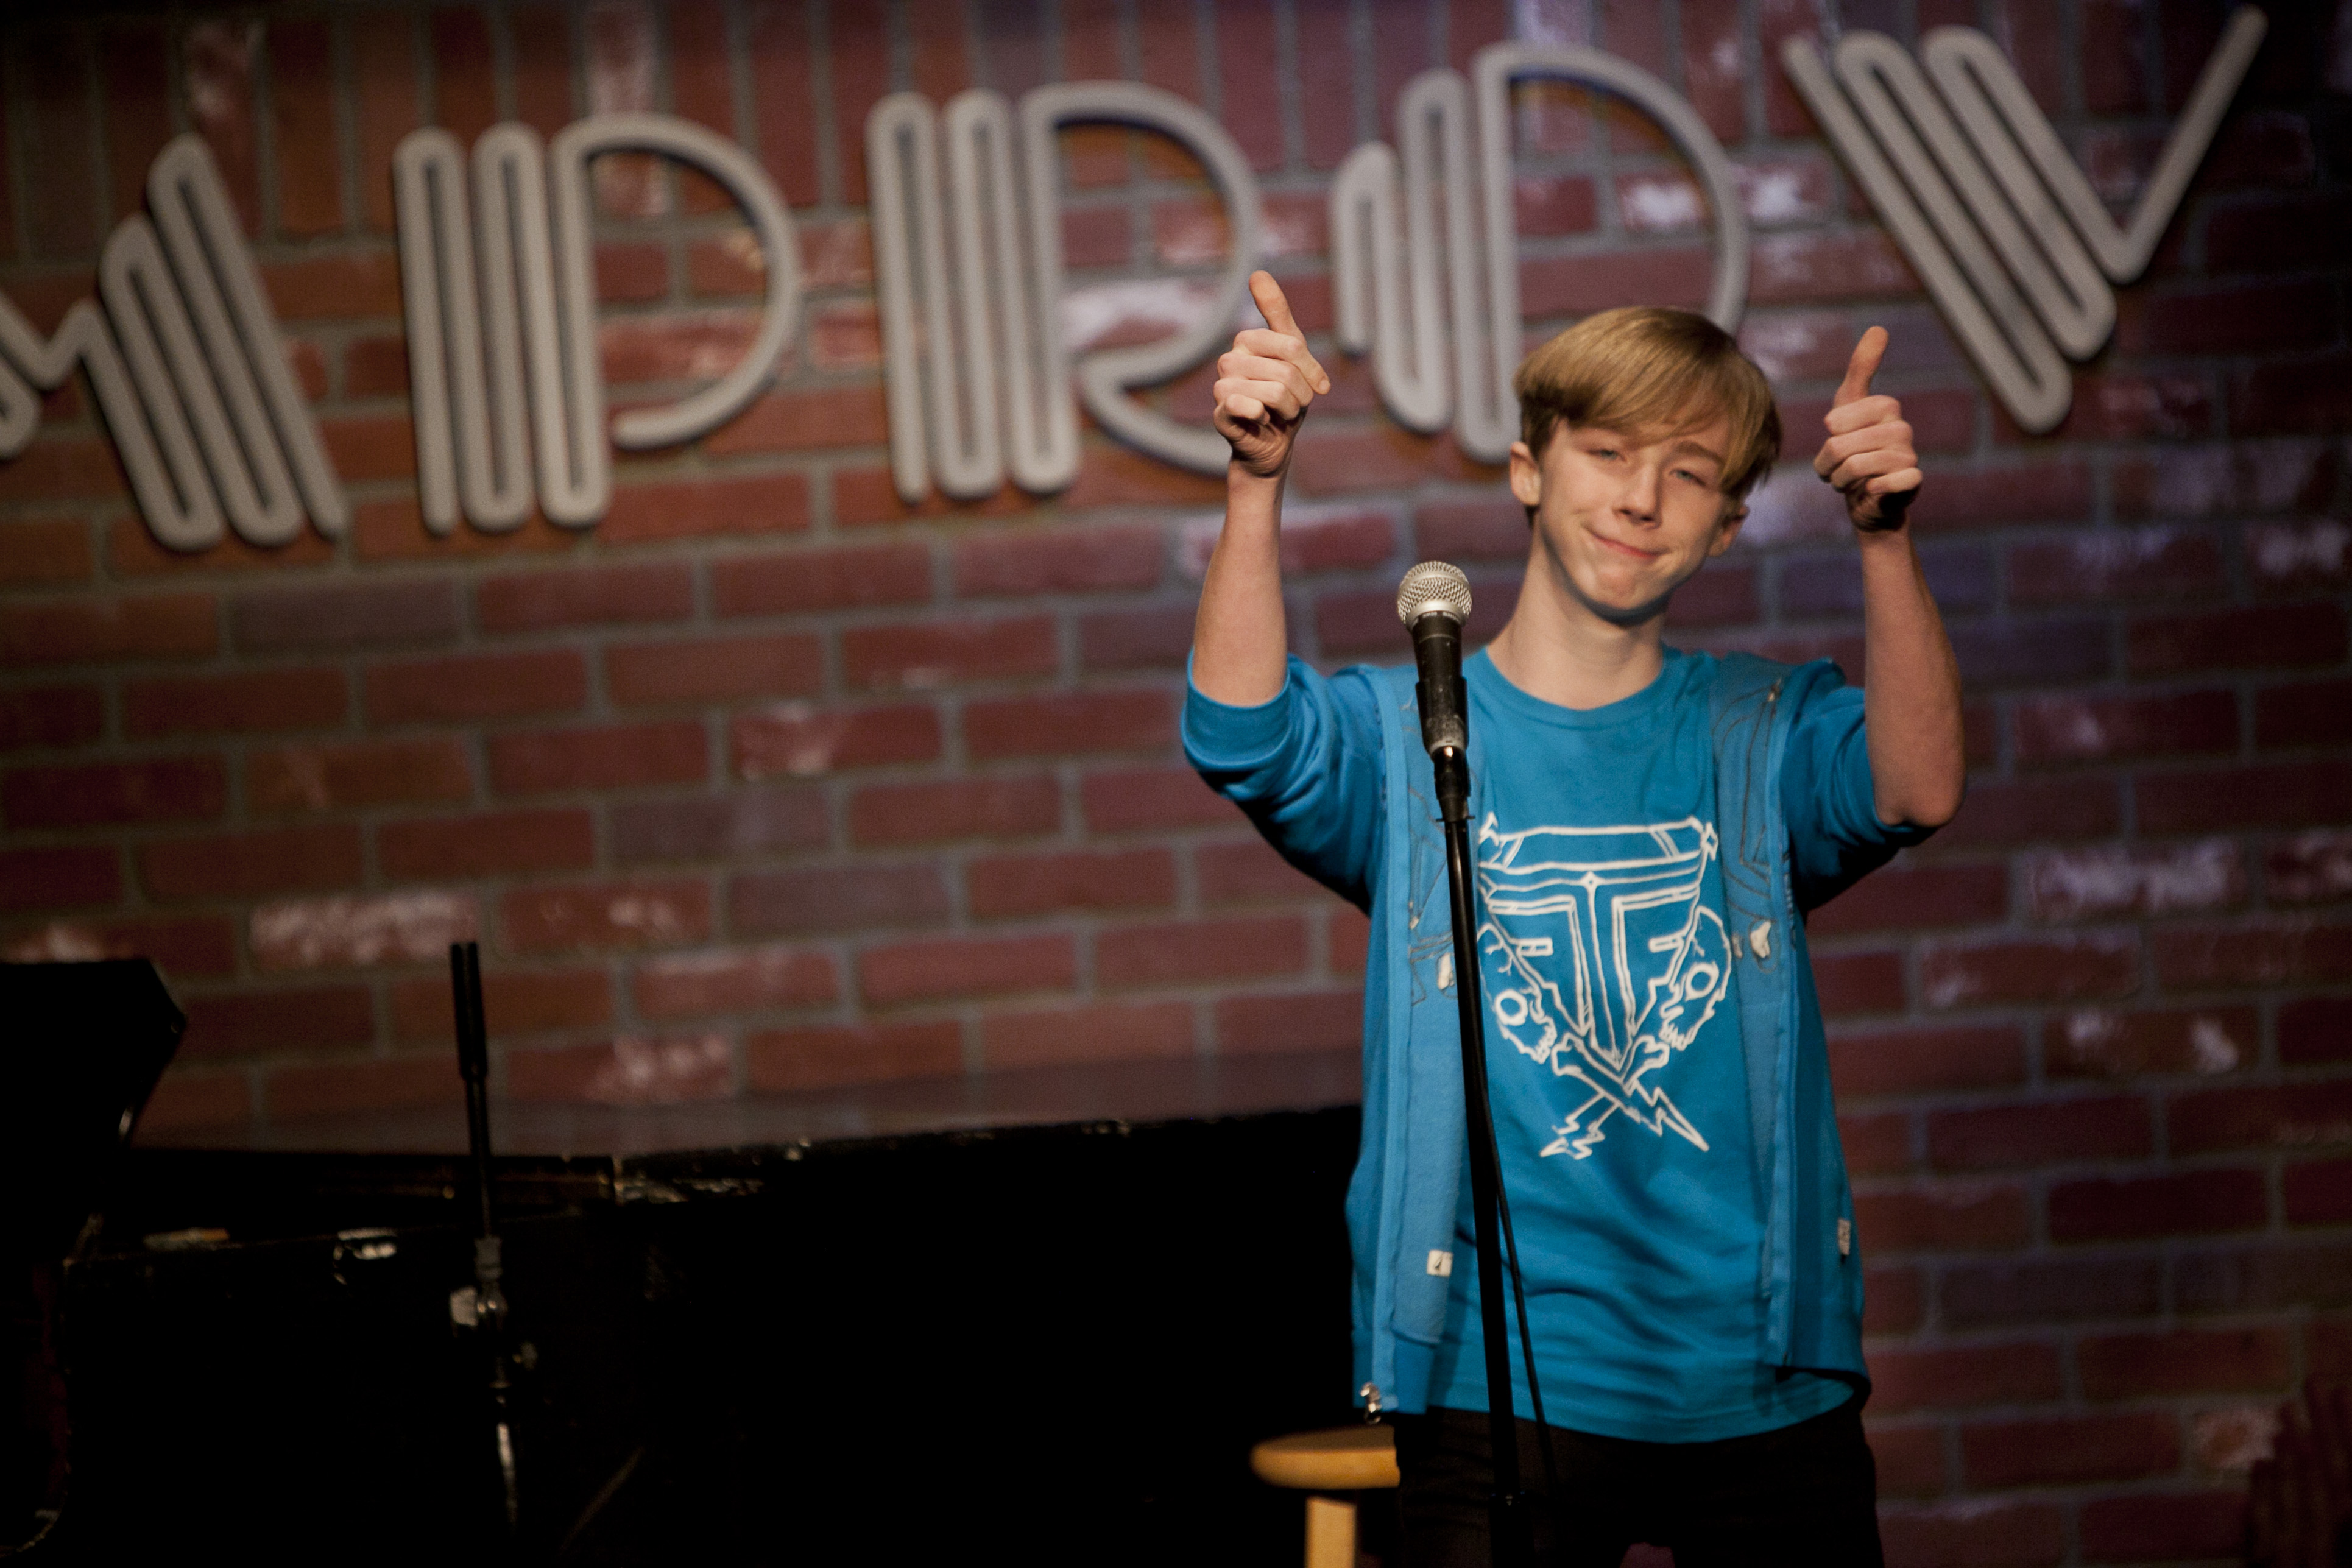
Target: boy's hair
(1644,368)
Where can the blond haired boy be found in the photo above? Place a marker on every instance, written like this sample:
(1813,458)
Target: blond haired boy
(1649,828)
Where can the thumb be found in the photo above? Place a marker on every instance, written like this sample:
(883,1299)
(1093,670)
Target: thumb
(1273,306)
(1861,368)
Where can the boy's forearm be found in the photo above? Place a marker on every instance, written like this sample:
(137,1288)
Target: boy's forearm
(1239,645)
(1911,698)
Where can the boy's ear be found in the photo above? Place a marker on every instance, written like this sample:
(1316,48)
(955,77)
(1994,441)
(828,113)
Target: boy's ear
(1727,529)
(1526,477)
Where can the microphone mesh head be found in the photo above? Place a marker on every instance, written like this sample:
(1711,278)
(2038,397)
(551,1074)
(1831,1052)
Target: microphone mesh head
(1433,586)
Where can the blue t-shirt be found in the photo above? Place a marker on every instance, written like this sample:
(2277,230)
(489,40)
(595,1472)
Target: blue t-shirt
(1618,1084)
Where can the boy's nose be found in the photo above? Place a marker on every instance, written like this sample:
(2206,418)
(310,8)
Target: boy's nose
(1641,498)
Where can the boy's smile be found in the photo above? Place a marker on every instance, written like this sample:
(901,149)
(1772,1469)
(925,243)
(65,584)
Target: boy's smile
(1622,520)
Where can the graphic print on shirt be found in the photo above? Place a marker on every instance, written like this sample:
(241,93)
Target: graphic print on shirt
(1610,963)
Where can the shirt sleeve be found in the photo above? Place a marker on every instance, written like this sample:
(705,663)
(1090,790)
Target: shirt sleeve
(1306,768)
(1835,835)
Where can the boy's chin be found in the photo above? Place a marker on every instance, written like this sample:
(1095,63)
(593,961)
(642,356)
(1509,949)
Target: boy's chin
(1627,606)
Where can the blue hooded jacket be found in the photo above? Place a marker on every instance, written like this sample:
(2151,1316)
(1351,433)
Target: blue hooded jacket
(1404,1200)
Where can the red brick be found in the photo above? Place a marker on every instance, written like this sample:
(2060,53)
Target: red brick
(1094,1031)
(1472,530)
(58,878)
(634,272)
(1852,983)
(2056,970)
(705,505)
(606,915)
(848,577)
(1877,1144)
(1895,1301)
(2004,814)
(384,73)
(50,716)
(1926,1062)
(2198,1203)
(1975,1531)
(592,595)
(950,809)
(2223,480)
(1983,1294)
(2078,729)
(1115,476)
(163,789)
(947,968)
(1247,871)
(1943,1219)
(2144,1528)
(475,687)
(786,1060)
(62,467)
(824,899)
(2103,1043)
(742,980)
(2309,869)
(616,756)
(1070,723)
(241,864)
(1146,638)
(302,114)
(2306,713)
(357,774)
(2223,319)
(713,669)
(187,1099)
(1221,949)
(1128,799)
(1335,461)
(634,1069)
(2069,1449)
(2301,1117)
(2187,1361)
(2272,794)
(246,702)
(2013,1371)
(317,1017)
(804,742)
(1308,1020)
(1915,899)
(1909,1458)
(2110,565)
(2318,1191)
(739,823)
(2025,653)
(2107,880)
(2315,1029)
(920,654)
(39,551)
(2282,951)
(1012,886)
(821,420)
(514,1002)
(181,945)
(335,617)
(72,631)
(2045,1133)
(2304,393)
(384,1083)
(1061,561)
(2248,638)
(486,845)
(2298,556)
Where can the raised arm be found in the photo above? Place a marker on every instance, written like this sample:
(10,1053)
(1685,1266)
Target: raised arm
(1265,384)
(1911,698)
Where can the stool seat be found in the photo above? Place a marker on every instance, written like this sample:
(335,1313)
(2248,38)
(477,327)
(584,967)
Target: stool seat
(1341,1460)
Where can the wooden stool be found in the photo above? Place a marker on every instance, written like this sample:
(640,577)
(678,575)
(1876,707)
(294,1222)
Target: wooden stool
(1342,1459)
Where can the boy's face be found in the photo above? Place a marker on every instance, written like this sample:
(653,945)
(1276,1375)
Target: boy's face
(1622,520)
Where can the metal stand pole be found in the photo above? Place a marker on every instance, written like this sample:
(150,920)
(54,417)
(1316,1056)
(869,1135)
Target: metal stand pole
(489,1292)
(1513,1527)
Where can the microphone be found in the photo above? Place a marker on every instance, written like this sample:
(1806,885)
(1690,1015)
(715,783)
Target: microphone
(1433,601)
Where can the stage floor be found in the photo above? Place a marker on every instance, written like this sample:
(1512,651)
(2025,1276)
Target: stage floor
(1150,1091)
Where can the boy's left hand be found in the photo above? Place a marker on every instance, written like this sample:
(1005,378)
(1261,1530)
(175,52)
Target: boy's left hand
(1868,456)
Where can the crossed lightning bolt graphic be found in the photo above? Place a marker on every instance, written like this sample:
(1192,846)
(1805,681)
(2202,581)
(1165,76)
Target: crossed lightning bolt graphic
(1612,963)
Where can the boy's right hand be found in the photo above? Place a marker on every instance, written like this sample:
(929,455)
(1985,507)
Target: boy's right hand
(1265,384)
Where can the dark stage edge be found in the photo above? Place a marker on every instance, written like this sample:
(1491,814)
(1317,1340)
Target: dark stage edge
(1136,1092)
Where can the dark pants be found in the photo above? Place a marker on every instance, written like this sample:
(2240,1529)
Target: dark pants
(1803,1494)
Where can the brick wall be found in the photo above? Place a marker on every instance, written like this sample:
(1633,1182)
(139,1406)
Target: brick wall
(770,781)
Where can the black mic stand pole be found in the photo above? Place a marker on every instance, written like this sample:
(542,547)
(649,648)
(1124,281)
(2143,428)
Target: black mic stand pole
(489,1292)
(1512,1528)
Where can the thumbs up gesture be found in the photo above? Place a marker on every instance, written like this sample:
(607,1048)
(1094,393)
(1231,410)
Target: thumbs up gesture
(1265,383)
(1868,456)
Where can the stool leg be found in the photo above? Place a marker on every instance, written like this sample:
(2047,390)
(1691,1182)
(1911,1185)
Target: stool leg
(1331,1532)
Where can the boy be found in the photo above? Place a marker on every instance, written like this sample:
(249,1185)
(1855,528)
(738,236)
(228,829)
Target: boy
(1648,827)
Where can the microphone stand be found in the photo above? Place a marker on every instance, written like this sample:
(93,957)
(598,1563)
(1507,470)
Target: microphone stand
(487,1315)
(1445,725)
